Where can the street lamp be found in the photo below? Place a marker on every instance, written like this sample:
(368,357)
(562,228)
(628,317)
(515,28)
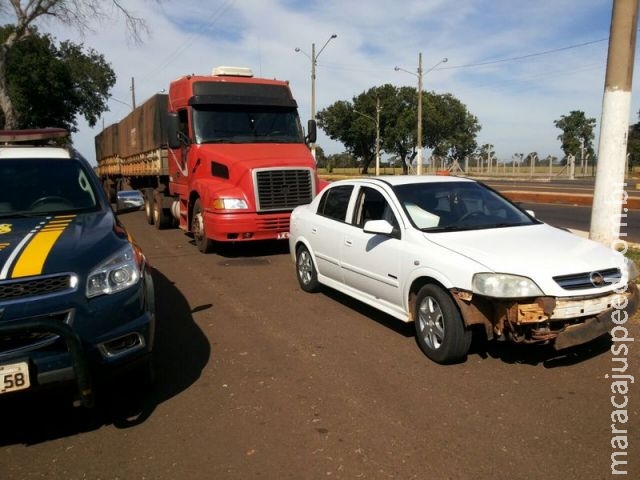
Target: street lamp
(377,122)
(420,74)
(314,62)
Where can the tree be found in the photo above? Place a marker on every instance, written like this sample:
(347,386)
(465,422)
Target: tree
(321,157)
(633,144)
(577,134)
(450,130)
(79,14)
(399,134)
(530,159)
(448,127)
(50,86)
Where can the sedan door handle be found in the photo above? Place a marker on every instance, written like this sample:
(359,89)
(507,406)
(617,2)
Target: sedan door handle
(348,243)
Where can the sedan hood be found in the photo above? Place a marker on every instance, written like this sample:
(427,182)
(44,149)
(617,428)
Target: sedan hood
(536,251)
(44,245)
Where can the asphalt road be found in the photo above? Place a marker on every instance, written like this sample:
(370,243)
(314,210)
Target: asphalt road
(257,379)
(578,217)
(573,216)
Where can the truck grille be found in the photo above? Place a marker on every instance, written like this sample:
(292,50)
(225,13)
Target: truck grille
(584,280)
(18,289)
(272,223)
(282,189)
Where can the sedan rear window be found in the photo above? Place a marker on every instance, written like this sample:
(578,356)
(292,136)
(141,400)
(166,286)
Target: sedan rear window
(334,202)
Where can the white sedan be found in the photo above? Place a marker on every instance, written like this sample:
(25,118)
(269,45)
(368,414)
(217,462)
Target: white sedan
(449,253)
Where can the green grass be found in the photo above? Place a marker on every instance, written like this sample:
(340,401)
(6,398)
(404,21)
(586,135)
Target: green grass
(634,255)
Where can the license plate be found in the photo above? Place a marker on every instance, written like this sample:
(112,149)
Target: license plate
(283,235)
(14,377)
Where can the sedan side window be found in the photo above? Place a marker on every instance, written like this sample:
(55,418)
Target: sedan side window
(335,201)
(371,205)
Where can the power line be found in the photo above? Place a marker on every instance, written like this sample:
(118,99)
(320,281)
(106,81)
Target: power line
(210,21)
(522,57)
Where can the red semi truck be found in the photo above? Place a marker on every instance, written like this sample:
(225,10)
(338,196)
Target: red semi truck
(222,156)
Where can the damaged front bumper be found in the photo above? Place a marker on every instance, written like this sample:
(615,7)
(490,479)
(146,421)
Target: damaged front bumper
(563,322)
(624,307)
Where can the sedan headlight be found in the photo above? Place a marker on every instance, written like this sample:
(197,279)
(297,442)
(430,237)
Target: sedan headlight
(504,285)
(117,273)
(230,204)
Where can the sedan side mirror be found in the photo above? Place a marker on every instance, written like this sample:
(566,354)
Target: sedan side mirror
(379,227)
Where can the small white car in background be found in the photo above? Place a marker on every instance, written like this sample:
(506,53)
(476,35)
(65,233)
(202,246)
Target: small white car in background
(449,253)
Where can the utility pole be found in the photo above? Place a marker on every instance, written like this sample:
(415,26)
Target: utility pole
(419,133)
(609,195)
(376,121)
(314,62)
(419,74)
(133,94)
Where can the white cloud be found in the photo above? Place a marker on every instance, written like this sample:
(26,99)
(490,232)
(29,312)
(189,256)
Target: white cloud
(516,101)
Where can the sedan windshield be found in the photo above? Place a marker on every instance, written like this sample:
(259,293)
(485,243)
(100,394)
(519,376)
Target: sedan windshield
(246,124)
(448,206)
(40,186)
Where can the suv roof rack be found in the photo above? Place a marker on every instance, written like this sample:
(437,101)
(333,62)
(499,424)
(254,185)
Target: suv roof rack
(31,135)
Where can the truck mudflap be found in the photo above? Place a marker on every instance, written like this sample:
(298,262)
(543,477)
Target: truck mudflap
(596,326)
(74,346)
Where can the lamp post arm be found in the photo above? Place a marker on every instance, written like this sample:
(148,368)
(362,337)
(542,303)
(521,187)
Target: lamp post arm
(325,44)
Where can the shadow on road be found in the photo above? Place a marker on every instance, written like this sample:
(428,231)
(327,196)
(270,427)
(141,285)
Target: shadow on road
(263,248)
(181,352)
(545,355)
(405,329)
(505,351)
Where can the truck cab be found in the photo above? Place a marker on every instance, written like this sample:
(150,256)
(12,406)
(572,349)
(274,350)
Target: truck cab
(238,158)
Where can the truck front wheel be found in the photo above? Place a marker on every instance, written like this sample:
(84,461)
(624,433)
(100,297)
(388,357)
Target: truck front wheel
(197,228)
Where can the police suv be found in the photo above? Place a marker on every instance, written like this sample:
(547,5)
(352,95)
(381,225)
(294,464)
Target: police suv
(76,293)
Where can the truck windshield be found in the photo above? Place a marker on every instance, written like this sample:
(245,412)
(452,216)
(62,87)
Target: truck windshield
(246,124)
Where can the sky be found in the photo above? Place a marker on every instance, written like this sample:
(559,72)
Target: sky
(517,66)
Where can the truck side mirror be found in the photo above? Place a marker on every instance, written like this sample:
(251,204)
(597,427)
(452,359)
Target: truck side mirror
(311,131)
(173,129)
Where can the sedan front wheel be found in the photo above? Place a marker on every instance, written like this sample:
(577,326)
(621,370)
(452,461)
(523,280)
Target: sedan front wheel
(440,331)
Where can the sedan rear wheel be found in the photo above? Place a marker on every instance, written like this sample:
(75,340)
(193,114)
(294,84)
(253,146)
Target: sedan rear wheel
(440,331)
(306,270)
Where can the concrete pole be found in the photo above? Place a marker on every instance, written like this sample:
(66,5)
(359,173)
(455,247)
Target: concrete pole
(610,193)
(572,166)
(313,93)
